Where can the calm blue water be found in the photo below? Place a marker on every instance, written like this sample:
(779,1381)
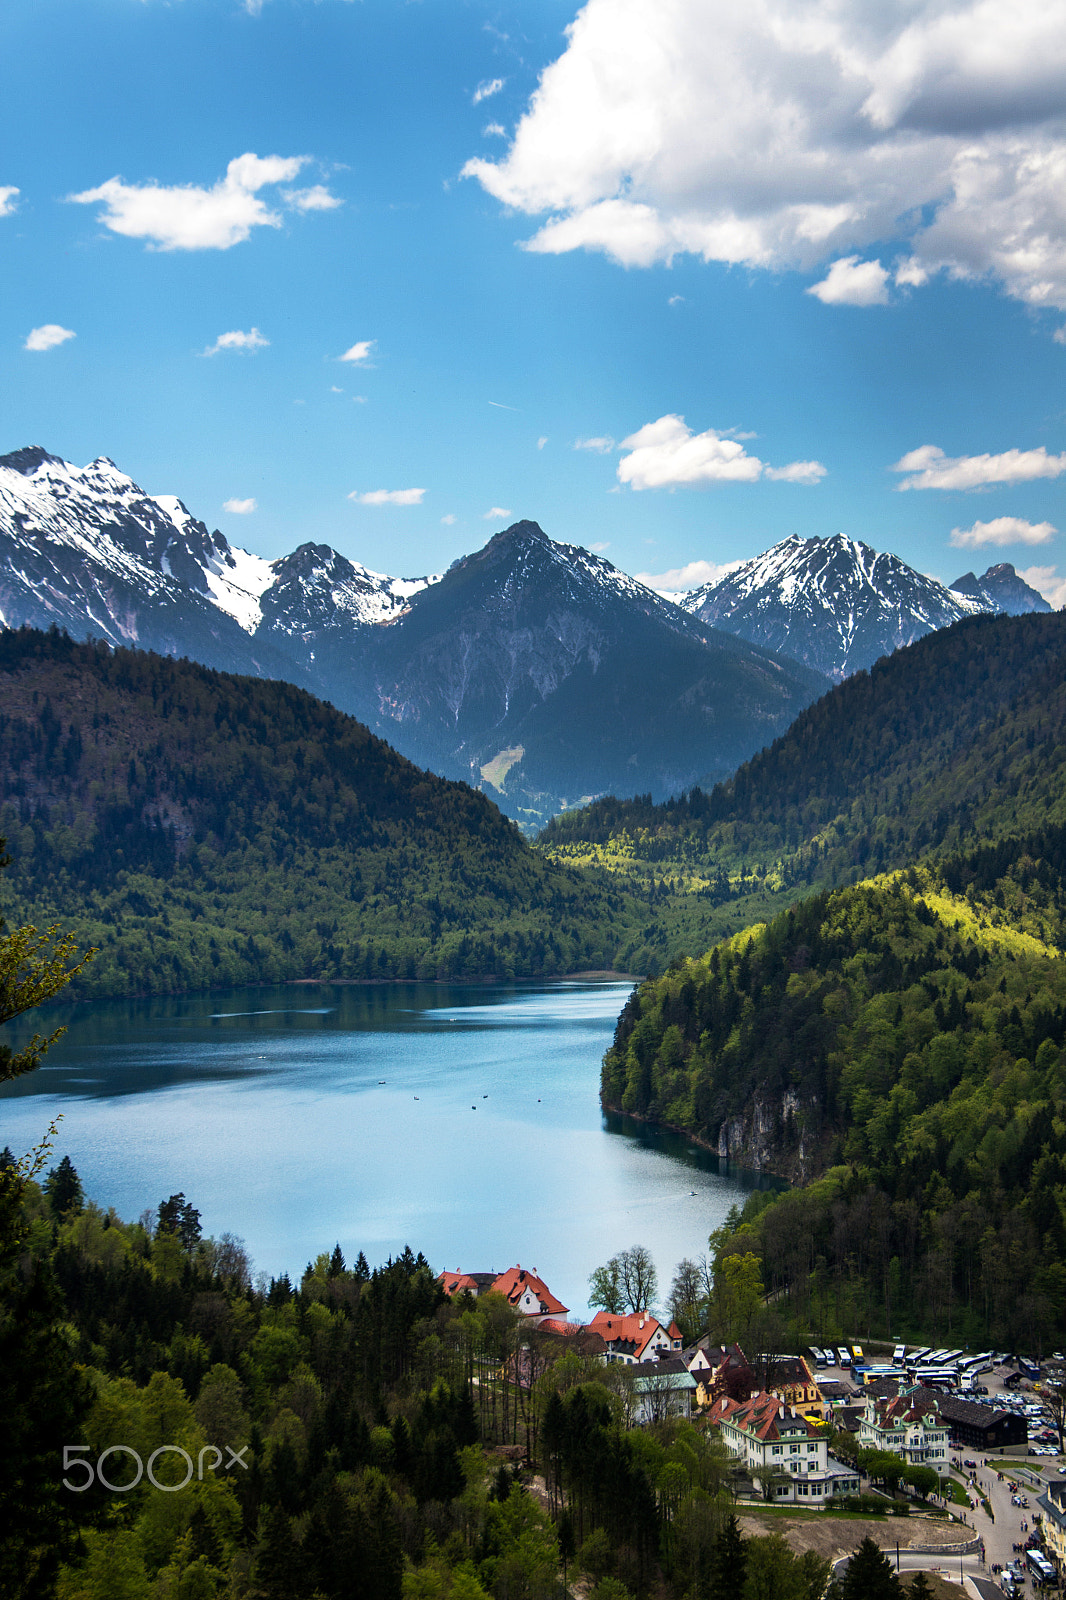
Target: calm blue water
(463,1121)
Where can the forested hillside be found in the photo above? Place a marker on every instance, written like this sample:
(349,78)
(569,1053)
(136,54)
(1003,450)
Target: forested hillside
(352,1436)
(958,738)
(900,1042)
(204,829)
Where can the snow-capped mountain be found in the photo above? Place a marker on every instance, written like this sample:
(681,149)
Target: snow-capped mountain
(1001,590)
(534,668)
(87,549)
(834,603)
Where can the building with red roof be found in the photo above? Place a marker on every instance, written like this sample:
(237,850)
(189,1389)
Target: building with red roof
(771,1437)
(636,1336)
(909,1425)
(521,1288)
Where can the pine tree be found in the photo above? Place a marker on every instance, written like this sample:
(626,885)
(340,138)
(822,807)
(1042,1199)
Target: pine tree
(63,1188)
(729,1562)
(870,1576)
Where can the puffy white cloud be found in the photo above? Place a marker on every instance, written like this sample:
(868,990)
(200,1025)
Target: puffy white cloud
(823,130)
(388,497)
(316,198)
(496,514)
(9,198)
(1002,530)
(494,130)
(236,340)
(240,508)
(542,441)
(1046,581)
(185,217)
(851,282)
(486,90)
(930,468)
(666,453)
(359,354)
(48,336)
(603,445)
(448,519)
(693,575)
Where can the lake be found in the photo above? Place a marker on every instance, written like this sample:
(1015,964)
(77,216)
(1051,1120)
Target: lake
(462,1120)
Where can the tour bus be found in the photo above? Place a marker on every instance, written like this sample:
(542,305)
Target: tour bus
(936,1377)
(936,1358)
(921,1354)
(899,1353)
(876,1373)
(950,1358)
(1040,1567)
(818,1356)
(844,1356)
(856,1352)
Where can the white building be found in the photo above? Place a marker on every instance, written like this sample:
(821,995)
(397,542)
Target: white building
(768,1435)
(910,1425)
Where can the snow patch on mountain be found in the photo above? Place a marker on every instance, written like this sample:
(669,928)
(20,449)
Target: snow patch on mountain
(835,603)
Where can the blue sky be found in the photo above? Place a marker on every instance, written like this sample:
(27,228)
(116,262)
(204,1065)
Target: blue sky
(675,283)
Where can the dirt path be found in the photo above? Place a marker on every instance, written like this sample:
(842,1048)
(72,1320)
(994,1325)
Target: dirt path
(833,1537)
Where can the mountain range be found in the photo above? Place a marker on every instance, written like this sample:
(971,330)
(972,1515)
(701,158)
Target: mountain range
(533,669)
(838,605)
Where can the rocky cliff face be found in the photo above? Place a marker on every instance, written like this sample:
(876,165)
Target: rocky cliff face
(780,1137)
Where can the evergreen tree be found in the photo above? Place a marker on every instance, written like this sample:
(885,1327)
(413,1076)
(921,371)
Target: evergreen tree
(44,1397)
(729,1562)
(64,1190)
(870,1576)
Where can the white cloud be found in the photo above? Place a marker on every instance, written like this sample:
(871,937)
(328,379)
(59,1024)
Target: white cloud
(1002,530)
(666,453)
(824,129)
(335,389)
(236,340)
(185,217)
(602,445)
(1059,335)
(693,575)
(676,300)
(317,198)
(496,514)
(48,336)
(542,441)
(851,282)
(494,130)
(9,199)
(359,354)
(388,497)
(448,519)
(600,547)
(486,90)
(240,508)
(930,468)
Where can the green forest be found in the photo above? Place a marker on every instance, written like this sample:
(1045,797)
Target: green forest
(957,739)
(203,830)
(892,1041)
(353,1436)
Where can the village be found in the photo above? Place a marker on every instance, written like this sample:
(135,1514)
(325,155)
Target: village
(832,1429)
